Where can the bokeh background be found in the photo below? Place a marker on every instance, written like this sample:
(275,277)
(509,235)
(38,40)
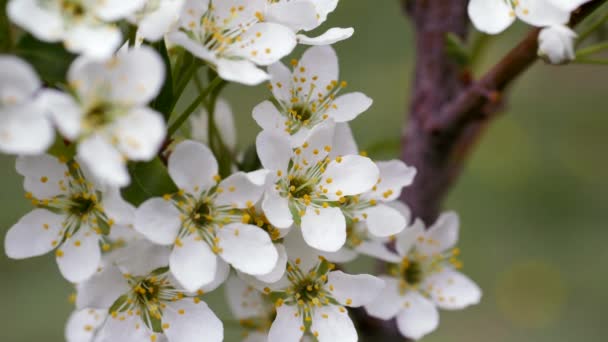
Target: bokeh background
(532,199)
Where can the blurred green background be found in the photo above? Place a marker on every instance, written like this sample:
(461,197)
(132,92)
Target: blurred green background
(532,198)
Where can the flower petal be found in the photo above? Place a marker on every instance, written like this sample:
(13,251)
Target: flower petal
(64,110)
(268,43)
(286,326)
(347,107)
(389,303)
(112,10)
(453,290)
(378,250)
(490,16)
(279,269)
(318,67)
(274,151)
(104,161)
(43,23)
(124,327)
(241,71)
(331,323)
(409,237)
(238,191)
(394,175)
(280,79)
(344,141)
(79,256)
(18,80)
(297,15)
(140,133)
(102,289)
(140,257)
(158,220)
(384,221)
(541,13)
(247,248)
(44,175)
(354,290)
(318,143)
(82,325)
(94,41)
(442,236)
(329,37)
(116,208)
(244,300)
(276,209)
(268,117)
(190,321)
(193,263)
(35,234)
(222,271)
(192,167)
(25,130)
(343,255)
(353,175)
(324,228)
(418,317)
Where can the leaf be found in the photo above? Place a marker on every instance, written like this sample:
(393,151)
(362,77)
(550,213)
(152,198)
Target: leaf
(457,49)
(164,101)
(149,179)
(51,61)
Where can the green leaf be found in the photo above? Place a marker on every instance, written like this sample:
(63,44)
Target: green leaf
(149,179)
(164,101)
(457,49)
(6,42)
(51,61)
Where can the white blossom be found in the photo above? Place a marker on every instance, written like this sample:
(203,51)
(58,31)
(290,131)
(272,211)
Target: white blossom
(144,301)
(308,95)
(306,186)
(74,216)
(423,276)
(307,15)
(107,114)
(254,310)
(156,18)
(232,36)
(24,125)
(82,326)
(206,219)
(494,16)
(556,44)
(85,27)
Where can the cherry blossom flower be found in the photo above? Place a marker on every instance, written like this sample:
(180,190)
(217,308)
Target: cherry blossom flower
(306,186)
(24,126)
(232,36)
(556,44)
(423,276)
(85,27)
(82,326)
(206,219)
(307,15)
(156,18)
(107,114)
(74,216)
(308,96)
(144,302)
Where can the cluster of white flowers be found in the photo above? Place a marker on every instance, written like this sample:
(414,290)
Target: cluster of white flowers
(556,40)
(272,235)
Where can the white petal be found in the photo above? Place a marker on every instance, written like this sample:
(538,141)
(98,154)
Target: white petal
(541,13)
(94,41)
(279,269)
(24,129)
(140,257)
(82,325)
(140,133)
(157,23)
(190,321)
(329,37)
(158,220)
(276,209)
(394,175)
(354,290)
(268,43)
(280,78)
(389,303)
(238,191)
(319,142)
(324,228)
(124,327)
(193,263)
(343,255)
(192,167)
(298,249)
(241,71)
(268,117)
(33,234)
(222,271)
(258,177)
(442,235)
(45,24)
(324,7)
(331,324)
(418,317)
(286,326)
(247,248)
(297,15)
(384,221)
(64,110)
(43,175)
(490,16)
(568,5)
(453,290)
(104,161)
(353,175)
(116,208)
(409,237)
(244,300)
(102,289)
(320,62)
(349,106)
(274,151)
(344,141)
(111,10)
(80,255)
(18,80)
(181,39)
(378,250)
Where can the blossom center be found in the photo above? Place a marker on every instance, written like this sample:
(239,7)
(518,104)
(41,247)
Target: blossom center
(97,116)
(73,8)
(82,204)
(301,113)
(201,214)
(300,188)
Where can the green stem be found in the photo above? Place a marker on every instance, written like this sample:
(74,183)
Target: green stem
(591,61)
(590,50)
(592,28)
(216,143)
(186,113)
